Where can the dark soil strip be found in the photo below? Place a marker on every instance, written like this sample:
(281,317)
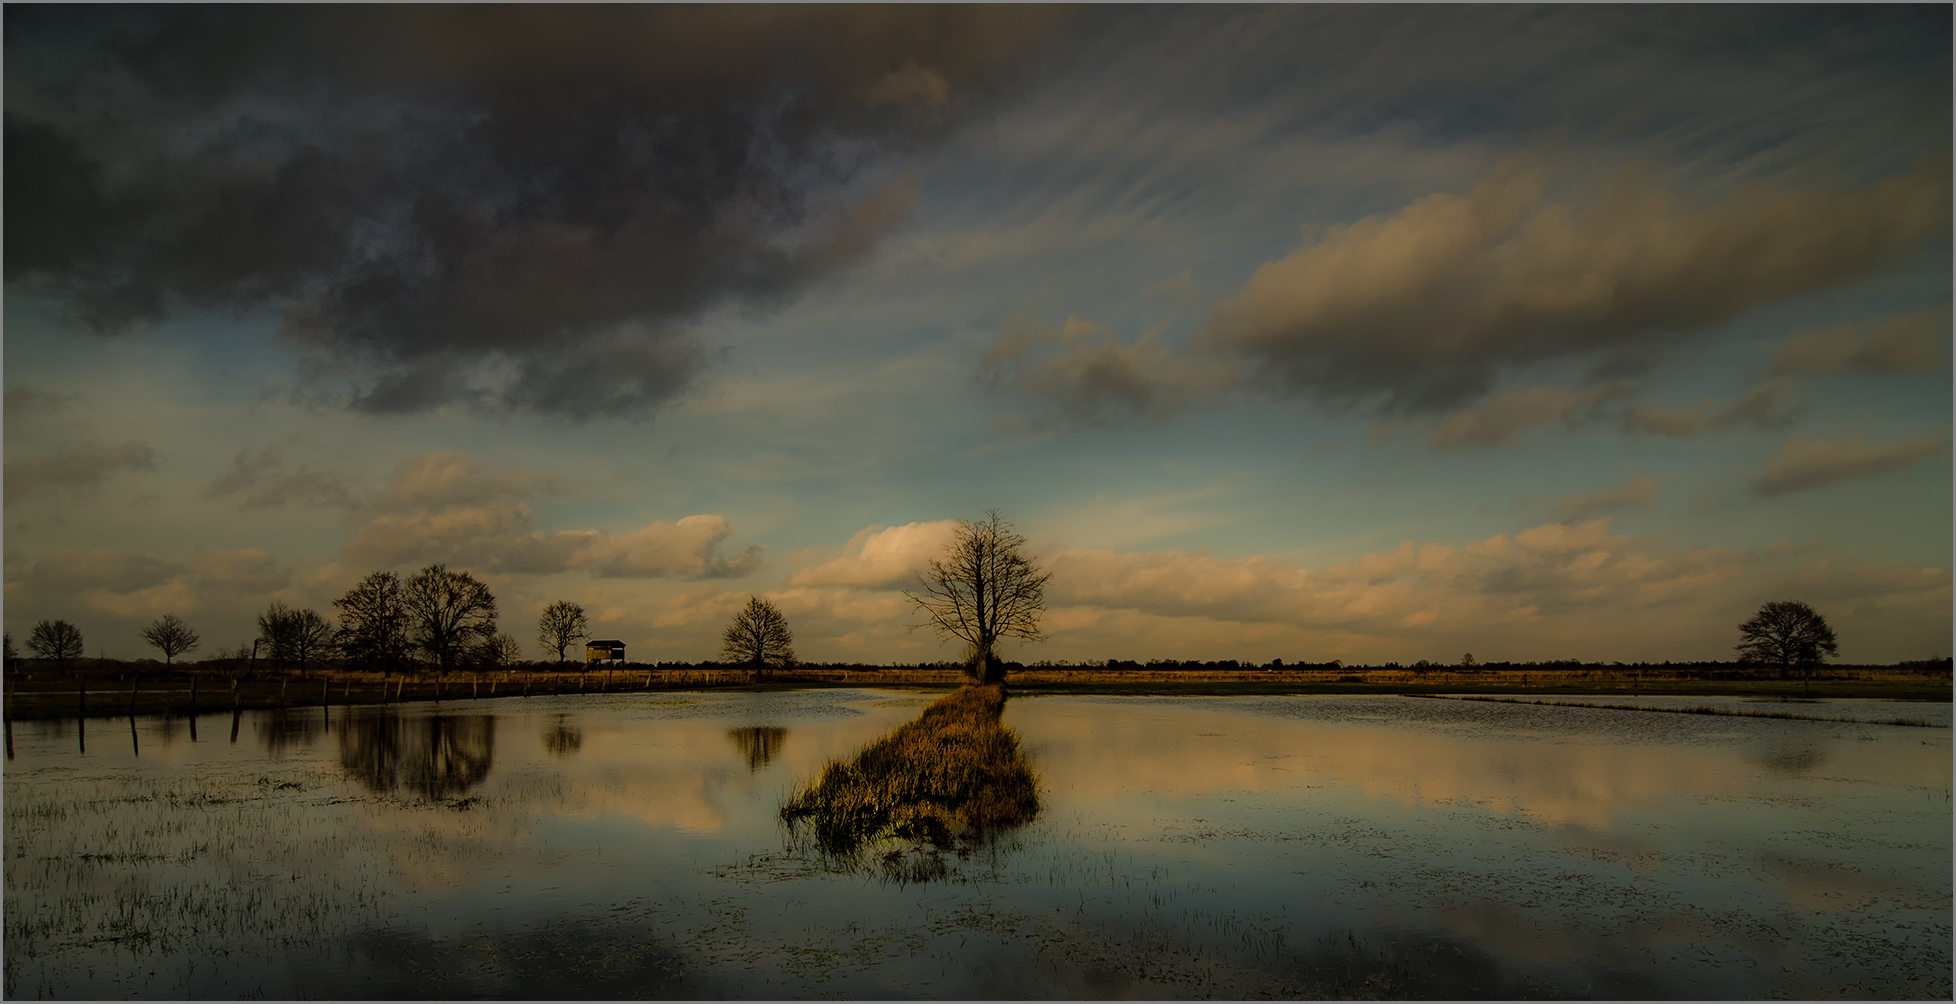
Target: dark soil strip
(1914,723)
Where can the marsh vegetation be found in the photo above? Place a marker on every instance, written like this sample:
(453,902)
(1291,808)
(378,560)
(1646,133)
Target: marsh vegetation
(950,780)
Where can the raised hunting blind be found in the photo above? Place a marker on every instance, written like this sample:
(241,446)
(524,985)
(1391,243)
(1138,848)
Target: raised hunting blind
(602,651)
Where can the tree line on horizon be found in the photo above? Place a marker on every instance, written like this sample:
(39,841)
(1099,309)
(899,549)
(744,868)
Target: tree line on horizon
(984,589)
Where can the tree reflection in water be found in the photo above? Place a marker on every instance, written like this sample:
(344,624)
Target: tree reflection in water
(437,756)
(562,738)
(953,779)
(760,744)
(281,729)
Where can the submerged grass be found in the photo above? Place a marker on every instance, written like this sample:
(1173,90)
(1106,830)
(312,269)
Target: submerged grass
(1706,709)
(952,775)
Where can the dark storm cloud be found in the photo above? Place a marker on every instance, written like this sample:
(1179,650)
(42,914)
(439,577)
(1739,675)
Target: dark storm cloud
(510,207)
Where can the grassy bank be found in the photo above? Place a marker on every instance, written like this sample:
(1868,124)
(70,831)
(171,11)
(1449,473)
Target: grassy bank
(116,692)
(111,688)
(952,775)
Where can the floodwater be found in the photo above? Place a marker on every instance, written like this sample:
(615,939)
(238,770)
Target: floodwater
(629,846)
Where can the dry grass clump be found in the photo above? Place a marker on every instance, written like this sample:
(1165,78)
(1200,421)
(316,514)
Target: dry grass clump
(953,774)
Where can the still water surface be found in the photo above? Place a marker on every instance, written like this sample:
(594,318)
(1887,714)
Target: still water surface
(628,846)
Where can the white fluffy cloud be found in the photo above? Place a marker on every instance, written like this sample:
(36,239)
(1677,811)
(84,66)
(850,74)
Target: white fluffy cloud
(449,507)
(1555,590)
(881,557)
(1566,589)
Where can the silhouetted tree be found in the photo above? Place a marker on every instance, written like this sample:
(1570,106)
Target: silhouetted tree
(294,635)
(984,589)
(373,622)
(450,614)
(12,653)
(501,650)
(561,624)
(1786,633)
(171,636)
(57,640)
(313,637)
(759,638)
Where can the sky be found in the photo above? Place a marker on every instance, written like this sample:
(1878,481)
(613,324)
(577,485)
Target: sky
(1361,333)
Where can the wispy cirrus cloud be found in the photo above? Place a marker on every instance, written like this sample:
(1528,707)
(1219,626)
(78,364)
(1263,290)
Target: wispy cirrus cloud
(75,469)
(1089,377)
(1500,420)
(1805,463)
(1914,342)
(1635,495)
(1768,406)
(265,481)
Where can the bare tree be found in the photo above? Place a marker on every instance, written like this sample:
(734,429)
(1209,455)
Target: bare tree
(170,635)
(313,637)
(1786,633)
(759,638)
(275,629)
(373,622)
(450,614)
(501,650)
(57,640)
(984,589)
(12,653)
(562,623)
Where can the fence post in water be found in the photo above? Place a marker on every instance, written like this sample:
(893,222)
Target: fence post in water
(81,733)
(135,680)
(193,704)
(134,750)
(237,714)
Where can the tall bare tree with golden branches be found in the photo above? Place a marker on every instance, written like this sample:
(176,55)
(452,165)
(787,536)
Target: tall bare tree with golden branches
(984,589)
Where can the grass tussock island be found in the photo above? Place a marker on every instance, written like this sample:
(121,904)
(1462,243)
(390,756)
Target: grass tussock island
(952,776)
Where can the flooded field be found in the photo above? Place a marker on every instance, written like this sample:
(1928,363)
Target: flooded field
(631,846)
